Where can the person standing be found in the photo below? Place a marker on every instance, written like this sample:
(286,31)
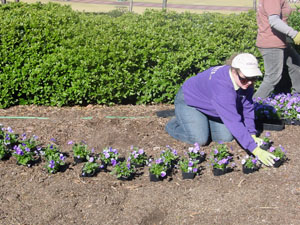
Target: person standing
(272,43)
(217,105)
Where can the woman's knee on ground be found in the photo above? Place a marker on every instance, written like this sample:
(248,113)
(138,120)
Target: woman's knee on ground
(225,137)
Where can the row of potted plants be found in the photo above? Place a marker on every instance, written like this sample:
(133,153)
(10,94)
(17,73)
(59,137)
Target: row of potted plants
(29,151)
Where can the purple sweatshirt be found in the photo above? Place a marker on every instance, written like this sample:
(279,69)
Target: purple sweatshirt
(212,92)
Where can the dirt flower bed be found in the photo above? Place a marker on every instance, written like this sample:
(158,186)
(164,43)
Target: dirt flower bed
(33,196)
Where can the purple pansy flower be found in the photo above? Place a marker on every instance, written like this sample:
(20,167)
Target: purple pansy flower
(113,162)
(158,161)
(61,157)
(141,151)
(51,164)
(163,174)
(272,149)
(91,159)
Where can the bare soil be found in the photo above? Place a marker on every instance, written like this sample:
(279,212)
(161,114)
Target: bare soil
(32,196)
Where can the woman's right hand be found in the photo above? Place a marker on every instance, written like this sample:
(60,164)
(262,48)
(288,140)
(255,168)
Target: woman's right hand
(297,39)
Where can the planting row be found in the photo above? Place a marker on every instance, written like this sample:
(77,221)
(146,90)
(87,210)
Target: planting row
(28,151)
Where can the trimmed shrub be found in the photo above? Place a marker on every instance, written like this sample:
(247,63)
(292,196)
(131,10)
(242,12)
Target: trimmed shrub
(51,55)
(294,22)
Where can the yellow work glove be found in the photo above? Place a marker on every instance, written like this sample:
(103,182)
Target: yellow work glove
(297,39)
(265,157)
(257,140)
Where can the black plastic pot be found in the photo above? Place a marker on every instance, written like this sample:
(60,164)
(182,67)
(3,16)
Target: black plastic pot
(88,174)
(201,159)
(291,122)
(278,163)
(29,164)
(265,146)
(6,157)
(273,125)
(154,178)
(219,172)
(188,175)
(79,160)
(139,165)
(32,162)
(126,178)
(92,174)
(250,170)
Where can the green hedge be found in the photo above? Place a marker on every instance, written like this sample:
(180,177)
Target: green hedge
(51,55)
(294,21)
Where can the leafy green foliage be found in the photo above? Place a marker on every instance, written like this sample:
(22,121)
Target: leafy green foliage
(91,167)
(138,157)
(51,55)
(123,169)
(4,151)
(158,168)
(80,150)
(220,156)
(294,22)
(188,165)
(55,159)
(24,155)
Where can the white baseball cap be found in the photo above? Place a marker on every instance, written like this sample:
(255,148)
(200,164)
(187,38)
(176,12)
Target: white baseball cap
(247,63)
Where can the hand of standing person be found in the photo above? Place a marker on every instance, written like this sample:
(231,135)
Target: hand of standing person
(297,39)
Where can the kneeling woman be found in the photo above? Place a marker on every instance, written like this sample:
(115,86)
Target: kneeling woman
(217,105)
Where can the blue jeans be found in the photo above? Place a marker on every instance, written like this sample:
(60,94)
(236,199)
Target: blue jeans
(192,126)
(274,60)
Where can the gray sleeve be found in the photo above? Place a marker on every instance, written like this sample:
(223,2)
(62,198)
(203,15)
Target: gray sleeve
(281,26)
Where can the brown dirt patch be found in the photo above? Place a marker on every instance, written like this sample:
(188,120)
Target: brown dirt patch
(31,196)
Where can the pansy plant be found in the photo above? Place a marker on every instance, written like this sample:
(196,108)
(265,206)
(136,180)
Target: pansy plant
(80,150)
(188,165)
(195,153)
(90,167)
(30,142)
(123,169)
(4,150)
(279,152)
(169,156)
(220,157)
(23,154)
(266,141)
(266,138)
(109,156)
(158,167)
(8,136)
(250,162)
(138,157)
(54,158)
